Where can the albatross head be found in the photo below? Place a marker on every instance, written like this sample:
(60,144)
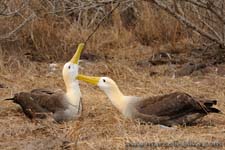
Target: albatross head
(70,69)
(109,87)
(104,83)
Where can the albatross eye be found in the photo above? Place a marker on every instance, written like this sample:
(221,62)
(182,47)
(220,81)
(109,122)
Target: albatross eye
(69,67)
(103,80)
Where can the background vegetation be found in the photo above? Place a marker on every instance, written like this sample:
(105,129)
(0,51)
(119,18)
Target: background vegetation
(149,47)
(52,29)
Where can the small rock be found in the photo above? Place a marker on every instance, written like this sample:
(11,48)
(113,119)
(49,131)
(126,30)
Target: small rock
(188,69)
(168,128)
(2,86)
(89,56)
(53,67)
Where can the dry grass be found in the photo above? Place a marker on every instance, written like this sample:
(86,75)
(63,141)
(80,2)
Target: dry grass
(53,39)
(101,125)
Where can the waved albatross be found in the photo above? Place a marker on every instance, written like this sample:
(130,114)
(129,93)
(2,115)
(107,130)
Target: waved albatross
(64,106)
(171,109)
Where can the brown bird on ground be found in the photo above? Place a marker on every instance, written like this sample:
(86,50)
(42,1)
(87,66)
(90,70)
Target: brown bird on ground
(170,109)
(64,106)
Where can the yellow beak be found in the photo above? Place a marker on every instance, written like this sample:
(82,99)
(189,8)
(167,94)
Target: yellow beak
(76,56)
(88,79)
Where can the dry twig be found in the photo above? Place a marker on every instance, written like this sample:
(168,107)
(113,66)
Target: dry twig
(8,35)
(212,33)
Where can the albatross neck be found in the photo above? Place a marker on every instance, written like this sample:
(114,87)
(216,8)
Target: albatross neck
(117,98)
(73,92)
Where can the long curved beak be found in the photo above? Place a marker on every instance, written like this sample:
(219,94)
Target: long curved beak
(88,79)
(76,57)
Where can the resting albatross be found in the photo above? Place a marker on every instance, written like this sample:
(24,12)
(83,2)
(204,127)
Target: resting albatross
(171,109)
(64,106)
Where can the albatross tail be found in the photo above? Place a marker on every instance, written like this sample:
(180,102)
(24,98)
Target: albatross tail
(28,105)
(14,98)
(209,106)
(9,99)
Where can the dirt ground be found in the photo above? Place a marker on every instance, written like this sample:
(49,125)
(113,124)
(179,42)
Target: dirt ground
(101,125)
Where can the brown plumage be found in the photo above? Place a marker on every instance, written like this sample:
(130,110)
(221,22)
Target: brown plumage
(39,103)
(173,109)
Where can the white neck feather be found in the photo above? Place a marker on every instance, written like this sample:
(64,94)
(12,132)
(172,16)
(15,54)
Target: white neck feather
(117,98)
(73,92)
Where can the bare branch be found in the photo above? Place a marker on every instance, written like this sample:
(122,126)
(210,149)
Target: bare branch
(3,7)
(187,22)
(23,5)
(210,6)
(206,24)
(8,35)
(178,8)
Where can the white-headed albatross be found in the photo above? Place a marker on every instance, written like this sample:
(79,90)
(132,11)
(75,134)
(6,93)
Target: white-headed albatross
(171,109)
(64,106)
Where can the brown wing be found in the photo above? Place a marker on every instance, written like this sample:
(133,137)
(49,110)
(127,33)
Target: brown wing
(174,108)
(40,101)
(51,102)
(173,104)
(43,90)
(28,105)
(167,120)
(46,91)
